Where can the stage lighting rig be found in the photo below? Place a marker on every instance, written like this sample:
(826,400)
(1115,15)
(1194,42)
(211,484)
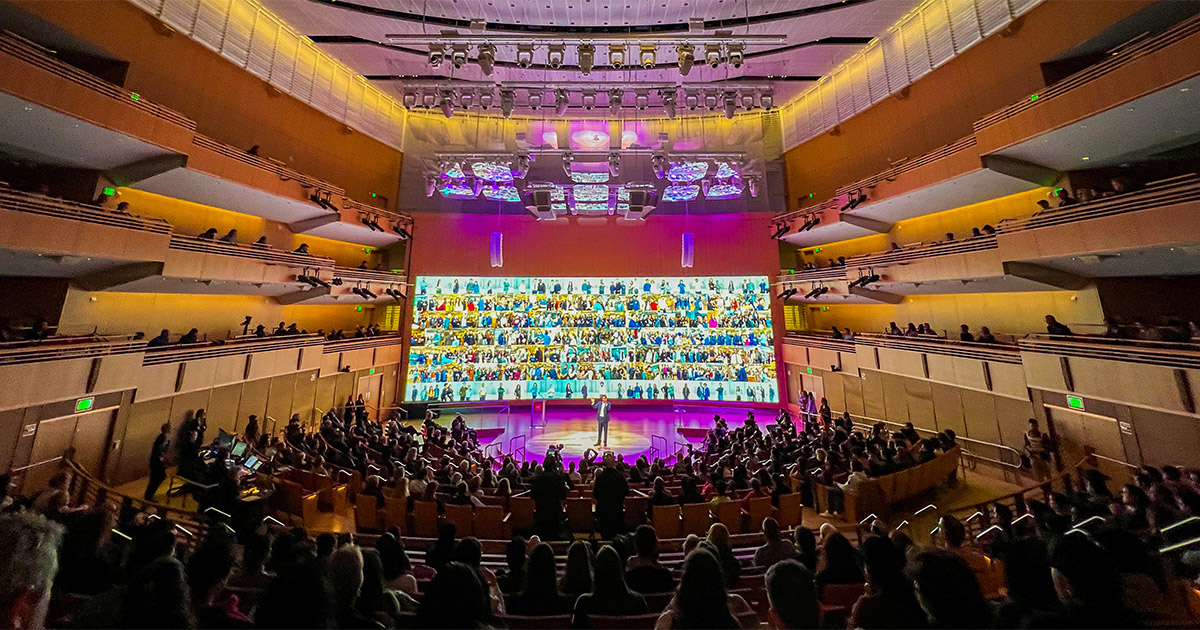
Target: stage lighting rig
(767,99)
(487,59)
(687,58)
(589,99)
(535,99)
(458,54)
(555,55)
(561,102)
(437,52)
(614,164)
(616,56)
(712,55)
(410,99)
(524,55)
(587,58)
(485,98)
(658,162)
(508,99)
(615,97)
(730,105)
(736,52)
(668,102)
(648,54)
(641,99)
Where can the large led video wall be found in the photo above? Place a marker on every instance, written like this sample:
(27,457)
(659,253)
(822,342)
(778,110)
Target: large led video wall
(665,338)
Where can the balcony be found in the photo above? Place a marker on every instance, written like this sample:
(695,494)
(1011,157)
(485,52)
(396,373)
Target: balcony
(948,177)
(345,280)
(1140,100)
(48,237)
(353,229)
(834,225)
(36,372)
(819,351)
(175,369)
(355,354)
(67,117)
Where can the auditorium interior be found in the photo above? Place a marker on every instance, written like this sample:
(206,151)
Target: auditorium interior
(406,321)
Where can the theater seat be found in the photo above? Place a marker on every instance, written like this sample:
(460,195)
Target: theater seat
(790,512)
(366,513)
(463,517)
(523,622)
(696,519)
(667,521)
(579,515)
(730,514)
(616,622)
(425,517)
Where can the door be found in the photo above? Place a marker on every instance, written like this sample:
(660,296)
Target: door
(368,388)
(1076,429)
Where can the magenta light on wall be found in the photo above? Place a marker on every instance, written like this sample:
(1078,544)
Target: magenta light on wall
(689,249)
(496,249)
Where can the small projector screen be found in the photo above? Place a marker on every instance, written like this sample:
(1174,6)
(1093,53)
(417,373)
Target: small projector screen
(665,338)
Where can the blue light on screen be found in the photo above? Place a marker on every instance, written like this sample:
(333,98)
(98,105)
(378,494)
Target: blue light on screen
(520,338)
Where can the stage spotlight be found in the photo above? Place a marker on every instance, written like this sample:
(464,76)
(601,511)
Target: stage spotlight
(487,58)
(524,55)
(780,230)
(614,164)
(429,98)
(555,56)
(476,186)
(710,100)
(458,55)
(691,99)
(712,55)
(747,100)
(507,99)
(410,99)
(535,99)
(522,163)
(431,185)
(767,99)
(587,58)
(561,101)
(466,99)
(736,52)
(447,104)
(589,99)
(648,55)
(658,162)
(730,105)
(616,56)
(485,99)
(567,158)
(337,282)
(668,102)
(687,57)
(400,231)
(436,53)
(615,97)
(641,99)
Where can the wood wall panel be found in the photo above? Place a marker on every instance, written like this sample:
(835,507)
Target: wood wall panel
(144,420)
(895,399)
(223,409)
(279,399)
(920,404)
(979,412)
(254,401)
(948,408)
(304,396)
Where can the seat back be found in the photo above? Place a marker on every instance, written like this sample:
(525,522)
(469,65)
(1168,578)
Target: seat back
(463,518)
(616,622)
(657,602)
(521,513)
(841,594)
(730,514)
(547,622)
(748,619)
(696,519)
(791,511)
(635,511)
(366,512)
(489,523)
(579,514)
(759,508)
(425,516)
(667,521)
(395,514)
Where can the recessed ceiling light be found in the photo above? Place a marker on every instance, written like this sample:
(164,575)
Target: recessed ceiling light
(1087,158)
(1184,89)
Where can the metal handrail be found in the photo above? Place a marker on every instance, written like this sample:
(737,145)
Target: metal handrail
(958,438)
(359,343)
(59,351)
(1006,353)
(810,275)
(932,250)
(34,203)
(362,208)
(1168,354)
(945,150)
(818,209)
(269,256)
(370,275)
(239,345)
(1162,193)
(274,166)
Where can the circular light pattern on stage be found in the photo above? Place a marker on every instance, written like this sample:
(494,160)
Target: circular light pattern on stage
(492,171)
(687,171)
(681,192)
(590,140)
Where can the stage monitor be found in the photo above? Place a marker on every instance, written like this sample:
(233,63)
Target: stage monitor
(656,338)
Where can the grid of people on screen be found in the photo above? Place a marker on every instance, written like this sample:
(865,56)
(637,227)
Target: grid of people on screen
(664,338)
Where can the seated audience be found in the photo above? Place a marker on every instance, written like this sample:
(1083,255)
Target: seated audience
(539,593)
(609,595)
(776,548)
(643,573)
(792,594)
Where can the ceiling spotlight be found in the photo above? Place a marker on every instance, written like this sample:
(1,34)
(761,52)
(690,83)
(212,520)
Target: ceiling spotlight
(658,162)
(410,99)
(487,58)
(458,54)
(522,165)
(535,99)
(730,105)
(687,57)
(614,164)
(589,99)
(447,103)
(507,99)
(668,102)
(436,53)
(567,158)
(556,55)
(767,99)
(429,99)
(587,57)
(485,99)
(691,99)
(466,98)
(641,99)
(647,55)
(747,100)
(616,56)
(431,185)
(736,51)
(615,96)
(477,186)
(712,55)
(524,55)
(561,101)
(710,100)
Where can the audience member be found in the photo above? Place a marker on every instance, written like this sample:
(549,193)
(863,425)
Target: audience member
(643,573)
(610,595)
(775,549)
(792,594)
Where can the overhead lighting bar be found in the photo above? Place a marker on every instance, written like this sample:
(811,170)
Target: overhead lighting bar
(655,39)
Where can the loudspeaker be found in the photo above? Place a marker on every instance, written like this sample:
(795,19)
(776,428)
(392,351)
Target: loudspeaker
(689,249)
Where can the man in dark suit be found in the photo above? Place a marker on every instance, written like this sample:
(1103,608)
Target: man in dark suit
(602,408)
(158,462)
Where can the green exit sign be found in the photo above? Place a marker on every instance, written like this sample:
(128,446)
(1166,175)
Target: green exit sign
(84,404)
(810,370)
(371,371)
(110,191)
(1075,402)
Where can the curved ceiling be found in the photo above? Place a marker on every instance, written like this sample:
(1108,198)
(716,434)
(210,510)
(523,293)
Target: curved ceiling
(819,35)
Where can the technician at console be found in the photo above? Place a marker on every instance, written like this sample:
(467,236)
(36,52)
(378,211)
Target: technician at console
(602,408)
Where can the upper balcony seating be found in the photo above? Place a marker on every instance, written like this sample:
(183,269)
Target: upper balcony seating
(268,255)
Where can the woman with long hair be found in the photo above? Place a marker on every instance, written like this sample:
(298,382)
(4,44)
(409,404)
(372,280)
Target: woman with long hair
(610,595)
(577,579)
(718,537)
(539,594)
(888,601)
(701,600)
(838,563)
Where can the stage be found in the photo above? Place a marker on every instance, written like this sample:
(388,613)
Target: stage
(651,429)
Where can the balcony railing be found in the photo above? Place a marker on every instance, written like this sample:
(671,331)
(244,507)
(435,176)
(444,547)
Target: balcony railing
(818,210)
(922,251)
(346,345)
(941,152)
(1163,353)
(1116,59)
(370,275)
(60,348)
(241,345)
(273,166)
(815,340)
(16,46)
(362,208)
(33,203)
(1002,353)
(1181,189)
(250,252)
(812,275)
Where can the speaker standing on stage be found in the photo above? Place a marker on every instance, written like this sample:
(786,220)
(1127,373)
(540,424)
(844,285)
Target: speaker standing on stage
(602,408)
